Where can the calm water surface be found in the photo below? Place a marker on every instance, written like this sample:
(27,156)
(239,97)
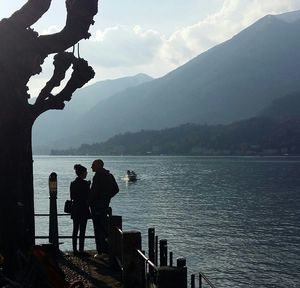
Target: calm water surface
(237,219)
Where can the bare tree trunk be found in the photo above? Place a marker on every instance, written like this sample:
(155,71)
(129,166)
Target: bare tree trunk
(22,53)
(16,197)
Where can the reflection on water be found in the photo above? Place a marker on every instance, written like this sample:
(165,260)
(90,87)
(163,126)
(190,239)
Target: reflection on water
(237,219)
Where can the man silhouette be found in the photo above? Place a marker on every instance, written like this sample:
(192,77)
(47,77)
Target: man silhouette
(104,187)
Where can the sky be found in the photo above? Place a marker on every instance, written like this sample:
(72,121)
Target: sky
(151,36)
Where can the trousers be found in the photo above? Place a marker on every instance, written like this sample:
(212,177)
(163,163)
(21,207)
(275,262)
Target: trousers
(79,225)
(100,223)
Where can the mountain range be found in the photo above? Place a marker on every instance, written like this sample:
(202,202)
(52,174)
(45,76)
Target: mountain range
(238,79)
(54,127)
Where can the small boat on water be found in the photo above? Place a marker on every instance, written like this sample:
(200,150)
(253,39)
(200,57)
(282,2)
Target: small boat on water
(130,176)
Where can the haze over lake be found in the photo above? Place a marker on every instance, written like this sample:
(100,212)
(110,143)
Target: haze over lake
(237,219)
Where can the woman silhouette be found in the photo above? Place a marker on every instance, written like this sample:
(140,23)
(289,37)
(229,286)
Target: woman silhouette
(79,193)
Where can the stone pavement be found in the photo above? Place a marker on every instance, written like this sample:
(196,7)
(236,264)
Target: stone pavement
(93,272)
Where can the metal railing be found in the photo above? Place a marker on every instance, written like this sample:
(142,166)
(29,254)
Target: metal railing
(150,270)
(147,260)
(59,236)
(201,277)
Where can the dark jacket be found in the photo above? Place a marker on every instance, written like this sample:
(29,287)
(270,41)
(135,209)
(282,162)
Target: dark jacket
(79,193)
(104,187)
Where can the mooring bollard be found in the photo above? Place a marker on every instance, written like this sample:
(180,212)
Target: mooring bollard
(181,262)
(151,247)
(193,281)
(53,223)
(156,251)
(133,267)
(163,252)
(114,238)
(171,259)
(172,277)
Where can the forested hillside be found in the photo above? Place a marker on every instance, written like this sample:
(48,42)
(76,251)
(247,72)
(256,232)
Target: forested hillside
(257,136)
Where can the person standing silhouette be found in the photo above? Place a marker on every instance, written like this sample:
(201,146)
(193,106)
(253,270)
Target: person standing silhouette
(79,193)
(104,187)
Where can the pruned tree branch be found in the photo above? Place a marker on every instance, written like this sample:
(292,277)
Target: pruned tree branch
(82,73)
(32,11)
(62,62)
(80,15)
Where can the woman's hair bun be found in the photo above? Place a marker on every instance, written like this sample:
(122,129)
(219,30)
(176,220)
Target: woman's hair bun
(79,169)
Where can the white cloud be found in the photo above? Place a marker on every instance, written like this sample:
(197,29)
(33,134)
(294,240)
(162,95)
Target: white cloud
(234,16)
(50,30)
(121,46)
(122,50)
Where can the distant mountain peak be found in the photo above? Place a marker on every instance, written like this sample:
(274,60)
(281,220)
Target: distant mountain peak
(289,17)
(139,76)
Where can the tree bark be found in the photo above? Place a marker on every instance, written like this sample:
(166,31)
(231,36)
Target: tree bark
(16,197)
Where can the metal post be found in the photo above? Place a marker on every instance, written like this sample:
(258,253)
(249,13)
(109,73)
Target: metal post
(53,223)
(200,280)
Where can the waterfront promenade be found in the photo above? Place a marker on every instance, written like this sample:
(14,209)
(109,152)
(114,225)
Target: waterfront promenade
(92,272)
(126,264)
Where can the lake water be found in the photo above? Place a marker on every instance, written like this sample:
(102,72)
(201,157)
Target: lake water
(237,219)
